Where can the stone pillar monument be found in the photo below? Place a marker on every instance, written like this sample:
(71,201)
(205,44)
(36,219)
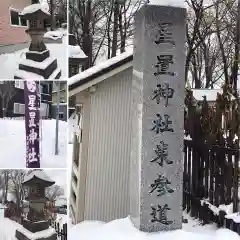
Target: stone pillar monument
(36,226)
(38,65)
(158,118)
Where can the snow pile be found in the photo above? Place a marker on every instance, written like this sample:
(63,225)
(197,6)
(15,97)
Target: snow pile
(228,209)
(76,52)
(54,35)
(123,229)
(35,8)
(234,216)
(99,67)
(13,155)
(172,3)
(8,229)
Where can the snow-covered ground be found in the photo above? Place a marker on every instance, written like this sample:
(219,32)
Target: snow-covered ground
(9,227)
(12,144)
(122,229)
(9,62)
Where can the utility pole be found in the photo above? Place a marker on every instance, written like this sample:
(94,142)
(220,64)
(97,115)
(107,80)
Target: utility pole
(52,11)
(57,117)
(235,68)
(117,4)
(115,28)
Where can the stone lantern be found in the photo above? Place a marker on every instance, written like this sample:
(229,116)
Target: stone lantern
(36,223)
(76,56)
(38,63)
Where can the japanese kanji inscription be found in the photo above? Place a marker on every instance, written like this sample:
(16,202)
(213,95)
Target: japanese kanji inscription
(157,140)
(32,124)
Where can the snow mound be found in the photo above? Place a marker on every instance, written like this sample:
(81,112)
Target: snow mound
(76,52)
(34,8)
(53,35)
(122,229)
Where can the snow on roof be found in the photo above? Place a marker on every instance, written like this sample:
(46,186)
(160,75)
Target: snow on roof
(93,70)
(76,52)
(211,94)
(38,174)
(172,3)
(34,8)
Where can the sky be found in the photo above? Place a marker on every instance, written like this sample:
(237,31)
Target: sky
(59,176)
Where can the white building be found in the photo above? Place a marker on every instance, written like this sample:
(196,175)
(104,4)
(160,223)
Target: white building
(102,144)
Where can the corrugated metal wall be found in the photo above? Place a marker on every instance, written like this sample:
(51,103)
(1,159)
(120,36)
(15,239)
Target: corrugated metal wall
(107,195)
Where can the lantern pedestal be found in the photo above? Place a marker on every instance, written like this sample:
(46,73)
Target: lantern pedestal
(35,226)
(23,235)
(38,65)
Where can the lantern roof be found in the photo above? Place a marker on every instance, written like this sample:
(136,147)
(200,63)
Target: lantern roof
(35,11)
(37,177)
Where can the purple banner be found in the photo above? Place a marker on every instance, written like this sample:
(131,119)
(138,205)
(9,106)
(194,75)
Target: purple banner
(32,120)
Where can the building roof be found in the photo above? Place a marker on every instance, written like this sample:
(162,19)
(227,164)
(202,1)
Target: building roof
(99,70)
(76,52)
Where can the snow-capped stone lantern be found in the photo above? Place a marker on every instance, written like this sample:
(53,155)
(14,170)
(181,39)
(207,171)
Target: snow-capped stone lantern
(38,65)
(35,226)
(76,56)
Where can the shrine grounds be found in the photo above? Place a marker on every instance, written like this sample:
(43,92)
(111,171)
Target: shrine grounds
(12,144)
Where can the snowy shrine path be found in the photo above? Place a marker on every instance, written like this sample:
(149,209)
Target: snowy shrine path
(12,142)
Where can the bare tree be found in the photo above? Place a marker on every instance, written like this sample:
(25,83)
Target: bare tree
(53,192)
(102,27)
(15,183)
(212,43)
(7,91)
(5,174)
